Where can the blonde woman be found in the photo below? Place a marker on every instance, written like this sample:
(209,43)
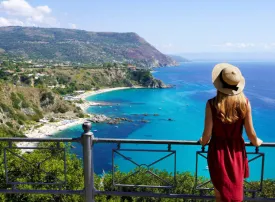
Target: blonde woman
(226,114)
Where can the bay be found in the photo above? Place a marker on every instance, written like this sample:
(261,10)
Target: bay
(184,105)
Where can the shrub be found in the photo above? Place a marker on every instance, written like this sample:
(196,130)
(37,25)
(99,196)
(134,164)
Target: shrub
(46,99)
(61,109)
(81,115)
(16,102)
(9,124)
(5,108)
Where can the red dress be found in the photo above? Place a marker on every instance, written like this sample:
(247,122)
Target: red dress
(227,160)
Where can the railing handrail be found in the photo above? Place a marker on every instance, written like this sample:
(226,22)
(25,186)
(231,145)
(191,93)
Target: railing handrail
(23,139)
(87,140)
(117,140)
(171,142)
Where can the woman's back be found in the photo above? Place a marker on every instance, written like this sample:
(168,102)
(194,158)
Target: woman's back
(225,130)
(227,159)
(225,116)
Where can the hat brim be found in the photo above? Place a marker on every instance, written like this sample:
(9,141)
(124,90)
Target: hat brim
(218,83)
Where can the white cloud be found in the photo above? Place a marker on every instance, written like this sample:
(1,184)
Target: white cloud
(236,45)
(29,15)
(10,22)
(44,9)
(268,46)
(72,25)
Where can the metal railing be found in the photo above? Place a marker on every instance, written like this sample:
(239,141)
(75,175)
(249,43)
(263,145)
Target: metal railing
(89,192)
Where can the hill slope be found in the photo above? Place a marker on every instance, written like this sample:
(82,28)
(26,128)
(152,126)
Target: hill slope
(80,46)
(21,106)
(178,58)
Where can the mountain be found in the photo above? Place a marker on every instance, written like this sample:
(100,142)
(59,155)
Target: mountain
(178,58)
(80,46)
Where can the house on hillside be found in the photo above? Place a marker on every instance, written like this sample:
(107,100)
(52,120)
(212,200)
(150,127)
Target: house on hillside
(132,67)
(79,91)
(39,66)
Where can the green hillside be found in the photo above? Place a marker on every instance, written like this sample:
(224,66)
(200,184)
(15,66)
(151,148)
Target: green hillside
(23,106)
(80,46)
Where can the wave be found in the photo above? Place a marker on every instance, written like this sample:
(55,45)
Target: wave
(265,99)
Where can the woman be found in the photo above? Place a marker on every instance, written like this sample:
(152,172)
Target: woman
(226,114)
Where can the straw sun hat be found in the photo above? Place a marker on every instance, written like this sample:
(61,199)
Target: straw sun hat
(228,79)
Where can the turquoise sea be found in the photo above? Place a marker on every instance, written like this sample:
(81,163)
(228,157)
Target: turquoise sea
(185,105)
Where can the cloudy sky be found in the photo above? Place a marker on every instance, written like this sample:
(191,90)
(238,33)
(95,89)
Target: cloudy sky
(173,26)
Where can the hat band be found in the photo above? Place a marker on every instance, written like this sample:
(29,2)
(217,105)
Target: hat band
(226,85)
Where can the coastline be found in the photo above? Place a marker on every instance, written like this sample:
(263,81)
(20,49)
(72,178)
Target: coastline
(84,106)
(104,90)
(51,128)
(48,129)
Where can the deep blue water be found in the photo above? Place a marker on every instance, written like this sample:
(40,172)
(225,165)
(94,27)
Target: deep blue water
(185,104)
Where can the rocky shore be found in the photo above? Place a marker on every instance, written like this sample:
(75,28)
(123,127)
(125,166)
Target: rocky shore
(101,118)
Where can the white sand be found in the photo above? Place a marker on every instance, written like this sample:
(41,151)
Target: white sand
(87,104)
(105,90)
(49,129)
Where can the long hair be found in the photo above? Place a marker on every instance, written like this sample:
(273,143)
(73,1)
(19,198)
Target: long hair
(230,108)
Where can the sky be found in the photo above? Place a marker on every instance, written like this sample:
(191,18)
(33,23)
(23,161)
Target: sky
(172,26)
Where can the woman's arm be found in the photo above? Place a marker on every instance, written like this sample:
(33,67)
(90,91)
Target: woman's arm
(208,125)
(248,124)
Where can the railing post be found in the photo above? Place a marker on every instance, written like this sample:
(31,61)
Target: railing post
(87,143)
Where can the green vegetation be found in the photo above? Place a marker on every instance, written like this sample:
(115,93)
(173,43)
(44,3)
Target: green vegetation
(39,170)
(78,46)
(67,80)
(21,106)
(54,166)
(185,185)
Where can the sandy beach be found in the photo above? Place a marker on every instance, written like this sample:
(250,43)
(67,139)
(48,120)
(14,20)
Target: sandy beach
(50,128)
(87,104)
(105,90)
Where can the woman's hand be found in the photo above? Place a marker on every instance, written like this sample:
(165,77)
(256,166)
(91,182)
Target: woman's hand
(200,141)
(259,142)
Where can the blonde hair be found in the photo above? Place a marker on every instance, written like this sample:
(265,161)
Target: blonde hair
(230,108)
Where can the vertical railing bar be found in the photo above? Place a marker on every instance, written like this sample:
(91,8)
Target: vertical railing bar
(175,169)
(253,194)
(6,166)
(10,144)
(169,147)
(87,143)
(196,173)
(113,175)
(58,145)
(262,173)
(65,166)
